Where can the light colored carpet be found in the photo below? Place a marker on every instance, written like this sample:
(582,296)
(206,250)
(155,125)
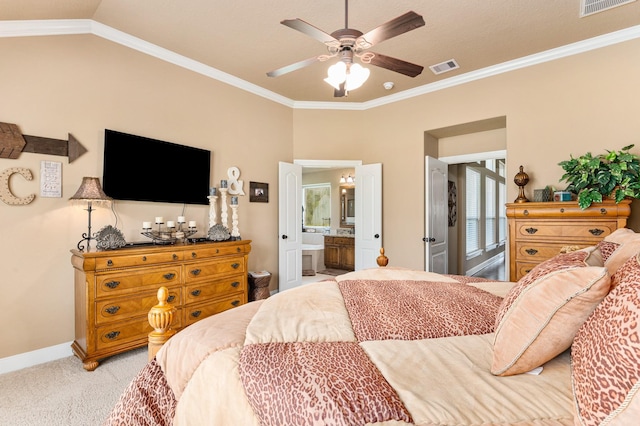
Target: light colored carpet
(62,393)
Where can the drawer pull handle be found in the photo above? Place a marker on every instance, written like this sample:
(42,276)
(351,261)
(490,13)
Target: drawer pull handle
(217,251)
(171,298)
(169,276)
(596,231)
(238,249)
(193,254)
(112,284)
(603,211)
(526,212)
(531,230)
(112,335)
(562,210)
(527,270)
(112,309)
(196,293)
(531,251)
(235,284)
(144,258)
(235,302)
(175,256)
(109,262)
(196,271)
(196,314)
(235,265)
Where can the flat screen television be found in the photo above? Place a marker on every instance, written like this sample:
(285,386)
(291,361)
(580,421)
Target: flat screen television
(143,169)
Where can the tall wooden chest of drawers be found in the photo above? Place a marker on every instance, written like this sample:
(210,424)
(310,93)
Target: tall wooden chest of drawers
(538,231)
(115,289)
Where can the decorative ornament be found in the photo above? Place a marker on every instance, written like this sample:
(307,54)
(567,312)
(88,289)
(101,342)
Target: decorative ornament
(219,232)
(5,190)
(235,185)
(109,238)
(521,179)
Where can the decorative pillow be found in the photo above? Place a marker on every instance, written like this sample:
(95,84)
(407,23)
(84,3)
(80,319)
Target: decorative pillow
(541,314)
(618,247)
(605,355)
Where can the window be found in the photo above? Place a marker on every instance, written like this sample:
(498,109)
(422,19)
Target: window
(485,197)
(490,213)
(316,207)
(473,211)
(502,213)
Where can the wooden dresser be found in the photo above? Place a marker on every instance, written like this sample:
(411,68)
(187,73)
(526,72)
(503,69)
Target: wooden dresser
(538,231)
(339,252)
(115,289)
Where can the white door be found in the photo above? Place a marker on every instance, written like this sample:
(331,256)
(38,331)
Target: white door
(436,215)
(368,215)
(289,226)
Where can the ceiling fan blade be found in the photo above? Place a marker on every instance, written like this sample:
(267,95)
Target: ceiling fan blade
(293,67)
(311,31)
(400,25)
(397,65)
(340,93)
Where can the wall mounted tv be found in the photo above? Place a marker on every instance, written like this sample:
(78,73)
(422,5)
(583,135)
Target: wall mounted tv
(143,169)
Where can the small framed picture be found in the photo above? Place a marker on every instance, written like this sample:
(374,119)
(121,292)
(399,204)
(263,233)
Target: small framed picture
(258,192)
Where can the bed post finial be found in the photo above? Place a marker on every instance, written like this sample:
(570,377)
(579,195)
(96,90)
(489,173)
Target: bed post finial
(160,317)
(382,259)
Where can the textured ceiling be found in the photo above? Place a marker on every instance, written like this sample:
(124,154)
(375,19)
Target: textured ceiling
(245,38)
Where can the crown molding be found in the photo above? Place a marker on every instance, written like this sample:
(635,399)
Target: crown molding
(88,26)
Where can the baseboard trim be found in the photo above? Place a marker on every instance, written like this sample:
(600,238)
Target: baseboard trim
(39,356)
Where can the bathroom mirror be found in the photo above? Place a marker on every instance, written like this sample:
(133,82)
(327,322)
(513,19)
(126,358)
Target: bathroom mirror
(347,207)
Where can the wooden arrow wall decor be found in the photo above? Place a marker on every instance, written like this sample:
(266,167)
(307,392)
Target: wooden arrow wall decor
(13,142)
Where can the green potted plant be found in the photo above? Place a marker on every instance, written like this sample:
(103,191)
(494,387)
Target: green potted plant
(615,174)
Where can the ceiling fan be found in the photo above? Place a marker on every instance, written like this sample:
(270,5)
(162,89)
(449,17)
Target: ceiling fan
(347,43)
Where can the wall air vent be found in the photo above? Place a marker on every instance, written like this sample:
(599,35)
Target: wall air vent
(589,7)
(449,65)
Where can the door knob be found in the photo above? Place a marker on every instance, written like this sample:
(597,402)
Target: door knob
(429,239)
(284,237)
(376,236)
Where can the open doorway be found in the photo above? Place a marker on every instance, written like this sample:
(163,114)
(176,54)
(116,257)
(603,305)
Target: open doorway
(476,157)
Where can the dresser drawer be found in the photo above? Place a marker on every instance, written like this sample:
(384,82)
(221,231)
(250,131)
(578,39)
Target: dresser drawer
(198,312)
(127,307)
(142,259)
(204,271)
(213,251)
(531,251)
(136,280)
(214,290)
(523,268)
(573,231)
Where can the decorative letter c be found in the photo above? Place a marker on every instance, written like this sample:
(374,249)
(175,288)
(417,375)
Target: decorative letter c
(5,190)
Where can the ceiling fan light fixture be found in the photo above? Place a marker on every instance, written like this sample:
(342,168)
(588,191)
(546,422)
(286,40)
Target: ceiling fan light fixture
(336,74)
(356,76)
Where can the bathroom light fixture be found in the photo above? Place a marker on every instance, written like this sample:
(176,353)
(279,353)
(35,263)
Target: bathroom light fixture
(350,179)
(343,180)
(352,75)
(90,191)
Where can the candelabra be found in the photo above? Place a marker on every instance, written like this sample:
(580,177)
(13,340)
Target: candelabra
(235,232)
(213,214)
(224,215)
(168,234)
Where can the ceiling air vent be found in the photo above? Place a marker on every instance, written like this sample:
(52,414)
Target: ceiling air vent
(589,7)
(449,65)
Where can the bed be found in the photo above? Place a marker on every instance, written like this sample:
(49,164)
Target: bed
(392,346)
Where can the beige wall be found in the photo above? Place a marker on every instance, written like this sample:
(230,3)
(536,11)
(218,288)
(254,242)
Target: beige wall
(52,86)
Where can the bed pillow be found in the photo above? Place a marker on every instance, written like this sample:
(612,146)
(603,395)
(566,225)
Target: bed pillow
(617,247)
(605,355)
(541,314)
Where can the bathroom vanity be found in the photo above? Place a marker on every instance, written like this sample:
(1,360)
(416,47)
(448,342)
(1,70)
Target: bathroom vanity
(339,252)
